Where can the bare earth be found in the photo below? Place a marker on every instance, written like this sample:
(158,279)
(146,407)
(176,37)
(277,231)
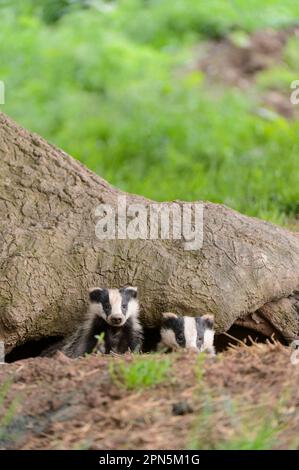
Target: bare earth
(74,404)
(227,63)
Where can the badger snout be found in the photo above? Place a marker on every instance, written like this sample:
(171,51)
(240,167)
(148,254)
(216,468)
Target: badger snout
(116,320)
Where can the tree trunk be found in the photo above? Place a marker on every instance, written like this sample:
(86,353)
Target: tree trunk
(50,255)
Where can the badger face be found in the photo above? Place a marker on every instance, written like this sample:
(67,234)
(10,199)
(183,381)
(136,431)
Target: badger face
(115,306)
(192,333)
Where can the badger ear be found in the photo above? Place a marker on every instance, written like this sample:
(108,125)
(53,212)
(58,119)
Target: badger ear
(208,321)
(130,291)
(166,315)
(95,294)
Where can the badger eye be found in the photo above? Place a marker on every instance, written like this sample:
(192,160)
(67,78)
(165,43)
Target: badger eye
(180,337)
(123,306)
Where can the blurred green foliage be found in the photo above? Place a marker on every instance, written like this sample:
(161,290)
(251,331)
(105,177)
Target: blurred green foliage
(110,83)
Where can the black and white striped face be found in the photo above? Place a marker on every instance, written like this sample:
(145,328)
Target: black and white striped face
(115,306)
(193,333)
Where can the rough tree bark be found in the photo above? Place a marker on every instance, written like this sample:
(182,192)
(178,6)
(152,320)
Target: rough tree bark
(50,255)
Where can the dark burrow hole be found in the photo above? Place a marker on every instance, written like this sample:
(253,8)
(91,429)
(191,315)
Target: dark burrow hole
(239,334)
(31,349)
(235,335)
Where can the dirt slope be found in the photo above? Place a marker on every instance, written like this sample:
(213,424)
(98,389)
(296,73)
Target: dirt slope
(62,403)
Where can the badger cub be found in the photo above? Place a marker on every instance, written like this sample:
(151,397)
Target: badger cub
(193,333)
(113,313)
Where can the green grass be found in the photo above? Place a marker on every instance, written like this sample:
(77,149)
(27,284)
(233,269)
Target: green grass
(172,21)
(7,410)
(140,373)
(113,88)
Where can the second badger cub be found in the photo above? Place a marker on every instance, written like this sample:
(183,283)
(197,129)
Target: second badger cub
(113,313)
(193,333)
